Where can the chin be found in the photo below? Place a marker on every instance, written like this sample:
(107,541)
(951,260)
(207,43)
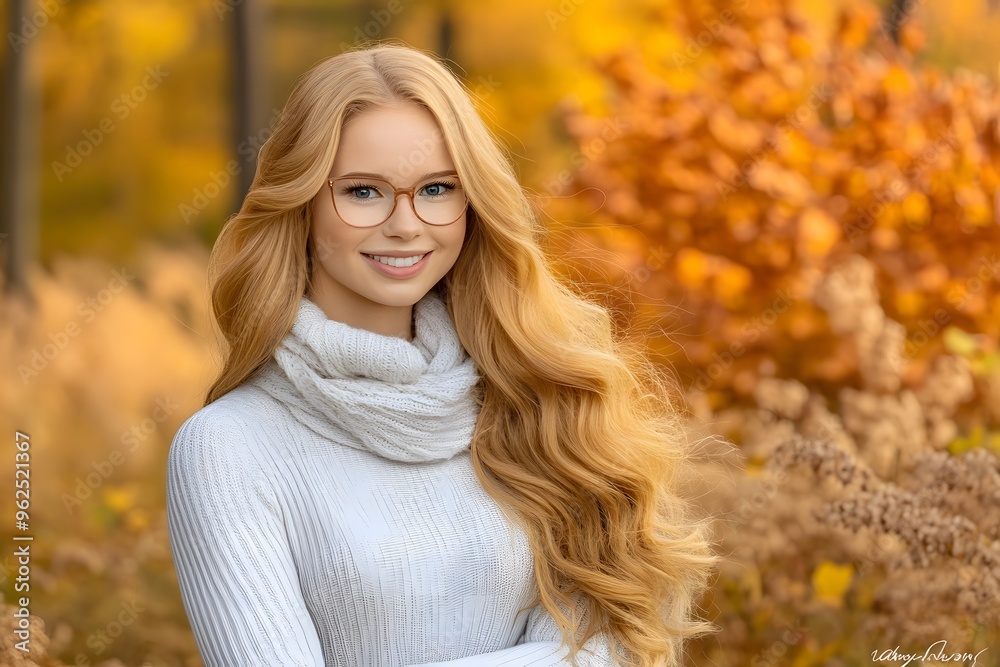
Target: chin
(399,295)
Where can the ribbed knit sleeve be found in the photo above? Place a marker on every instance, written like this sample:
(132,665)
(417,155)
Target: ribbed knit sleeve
(237,578)
(541,646)
(596,651)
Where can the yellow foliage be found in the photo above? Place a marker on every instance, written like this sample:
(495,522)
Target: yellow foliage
(137,519)
(756,167)
(916,210)
(818,232)
(118,498)
(732,132)
(898,80)
(155,30)
(909,303)
(731,282)
(692,267)
(831,581)
(752,584)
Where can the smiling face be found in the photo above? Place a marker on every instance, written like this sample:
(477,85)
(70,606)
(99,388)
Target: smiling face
(403,145)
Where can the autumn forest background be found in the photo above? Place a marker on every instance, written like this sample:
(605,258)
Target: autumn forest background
(794,203)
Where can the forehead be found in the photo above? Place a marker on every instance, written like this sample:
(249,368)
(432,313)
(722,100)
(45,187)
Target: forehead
(400,142)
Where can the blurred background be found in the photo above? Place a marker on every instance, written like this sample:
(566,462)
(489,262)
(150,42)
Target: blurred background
(794,202)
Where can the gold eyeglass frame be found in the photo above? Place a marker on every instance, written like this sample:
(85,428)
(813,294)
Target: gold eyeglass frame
(409,192)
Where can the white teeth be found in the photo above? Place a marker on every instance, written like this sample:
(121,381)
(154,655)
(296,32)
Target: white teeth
(397,261)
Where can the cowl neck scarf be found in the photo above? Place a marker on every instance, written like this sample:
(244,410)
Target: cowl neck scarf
(403,400)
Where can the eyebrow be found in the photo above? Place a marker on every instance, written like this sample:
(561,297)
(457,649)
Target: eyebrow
(366,174)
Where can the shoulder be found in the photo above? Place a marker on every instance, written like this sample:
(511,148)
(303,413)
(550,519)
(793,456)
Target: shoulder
(218,464)
(225,433)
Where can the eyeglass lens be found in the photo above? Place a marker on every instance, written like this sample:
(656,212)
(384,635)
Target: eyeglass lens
(368,202)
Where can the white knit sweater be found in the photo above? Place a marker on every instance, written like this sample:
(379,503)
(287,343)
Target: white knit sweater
(326,513)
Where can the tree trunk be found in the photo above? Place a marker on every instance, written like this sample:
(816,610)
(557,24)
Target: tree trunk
(897,14)
(19,220)
(446,32)
(249,89)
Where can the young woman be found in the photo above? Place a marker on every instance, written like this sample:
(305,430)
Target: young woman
(422,448)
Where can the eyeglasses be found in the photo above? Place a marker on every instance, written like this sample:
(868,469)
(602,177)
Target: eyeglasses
(368,202)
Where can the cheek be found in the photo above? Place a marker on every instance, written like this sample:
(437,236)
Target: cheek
(325,245)
(331,240)
(458,237)
(452,242)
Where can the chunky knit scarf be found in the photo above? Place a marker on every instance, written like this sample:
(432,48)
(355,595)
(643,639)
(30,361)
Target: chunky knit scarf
(407,401)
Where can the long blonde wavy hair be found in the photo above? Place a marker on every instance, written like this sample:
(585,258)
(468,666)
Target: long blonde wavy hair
(578,432)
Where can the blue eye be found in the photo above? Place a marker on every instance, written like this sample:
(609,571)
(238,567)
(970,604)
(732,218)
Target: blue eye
(360,190)
(438,189)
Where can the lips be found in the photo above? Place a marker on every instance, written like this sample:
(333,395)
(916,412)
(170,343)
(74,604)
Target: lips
(400,262)
(407,270)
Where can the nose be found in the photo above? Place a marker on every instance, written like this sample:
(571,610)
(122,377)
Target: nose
(404,221)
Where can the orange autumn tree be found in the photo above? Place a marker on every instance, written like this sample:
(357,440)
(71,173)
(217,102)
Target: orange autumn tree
(807,231)
(753,157)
